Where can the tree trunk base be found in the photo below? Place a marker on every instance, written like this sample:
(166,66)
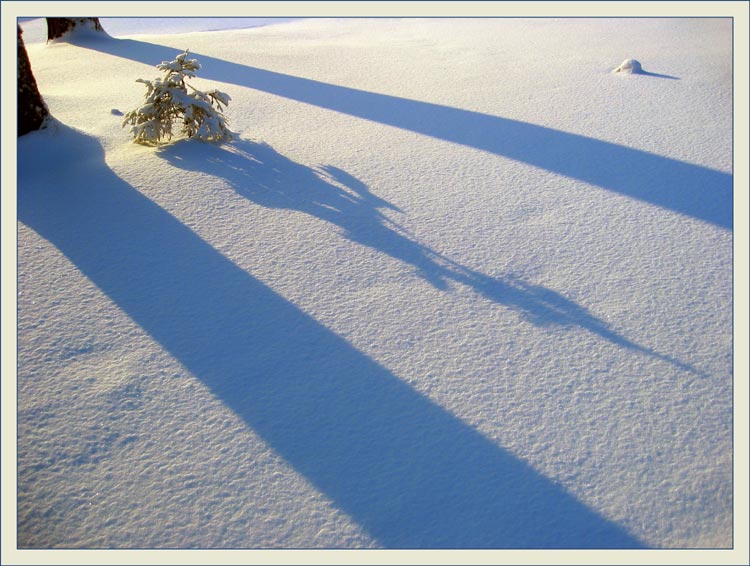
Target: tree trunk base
(32,111)
(58,27)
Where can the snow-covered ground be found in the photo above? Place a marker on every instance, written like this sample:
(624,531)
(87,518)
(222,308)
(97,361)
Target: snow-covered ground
(455,284)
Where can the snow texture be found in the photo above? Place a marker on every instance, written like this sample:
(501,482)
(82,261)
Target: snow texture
(437,293)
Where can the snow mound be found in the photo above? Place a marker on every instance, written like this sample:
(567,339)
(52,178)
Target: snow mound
(629,67)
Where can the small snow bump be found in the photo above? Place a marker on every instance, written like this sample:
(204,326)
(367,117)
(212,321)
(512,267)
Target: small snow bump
(629,67)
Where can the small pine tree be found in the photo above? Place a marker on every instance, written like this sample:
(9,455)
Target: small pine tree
(168,99)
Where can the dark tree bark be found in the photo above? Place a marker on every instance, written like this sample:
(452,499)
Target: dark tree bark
(32,110)
(58,27)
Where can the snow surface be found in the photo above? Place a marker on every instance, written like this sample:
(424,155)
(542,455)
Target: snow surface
(454,285)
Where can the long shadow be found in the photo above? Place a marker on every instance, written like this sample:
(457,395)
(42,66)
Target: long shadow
(406,470)
(658,75)
(262,175)
(688,189)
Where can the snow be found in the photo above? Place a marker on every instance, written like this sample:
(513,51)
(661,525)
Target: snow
(629,67)
(454,284)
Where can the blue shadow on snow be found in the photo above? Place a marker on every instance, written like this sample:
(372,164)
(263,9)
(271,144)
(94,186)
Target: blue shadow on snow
(691,190)
(263,176)
(406,470)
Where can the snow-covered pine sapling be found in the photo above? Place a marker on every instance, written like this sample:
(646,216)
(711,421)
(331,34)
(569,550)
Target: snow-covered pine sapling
(170,98)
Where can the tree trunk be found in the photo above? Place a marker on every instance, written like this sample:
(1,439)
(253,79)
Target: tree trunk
(58,27)
(32,110)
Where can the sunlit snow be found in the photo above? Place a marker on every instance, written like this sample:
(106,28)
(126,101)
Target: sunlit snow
(454,284)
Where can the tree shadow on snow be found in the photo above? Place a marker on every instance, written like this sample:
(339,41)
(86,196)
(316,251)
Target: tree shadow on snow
(692,190)
(262,175)
(405,469)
